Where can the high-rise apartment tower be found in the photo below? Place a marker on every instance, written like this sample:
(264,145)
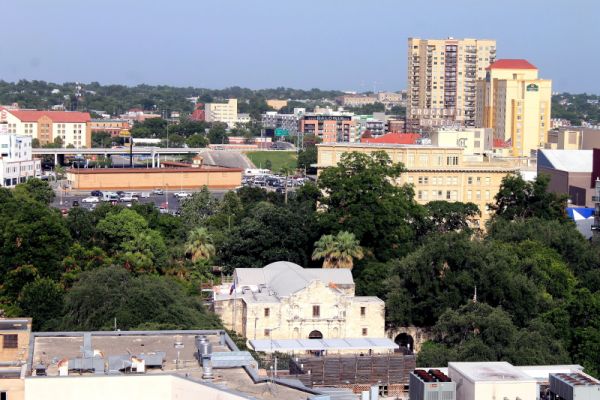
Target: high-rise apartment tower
(442,76)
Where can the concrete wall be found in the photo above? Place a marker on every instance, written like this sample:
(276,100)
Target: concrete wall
(137,178)
(146,387)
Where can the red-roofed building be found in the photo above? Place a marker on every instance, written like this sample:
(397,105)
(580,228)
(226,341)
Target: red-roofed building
(74,128)
(511,64)
(516,103)
(394,138)
(198,113)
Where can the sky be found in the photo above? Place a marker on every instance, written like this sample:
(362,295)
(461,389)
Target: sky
(327,44)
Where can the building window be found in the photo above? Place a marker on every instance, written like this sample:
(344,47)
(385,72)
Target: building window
(363,311)
(316,311)
(365,331)
(10,341)
(267,332)
(267,312)
(470,180)
(452,160)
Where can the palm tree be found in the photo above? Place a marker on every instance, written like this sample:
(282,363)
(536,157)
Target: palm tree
(338,251)
(200,245)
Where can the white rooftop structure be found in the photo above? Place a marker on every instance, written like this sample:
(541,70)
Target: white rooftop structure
(499,371)
(302,345)
(567,160)
(283,278)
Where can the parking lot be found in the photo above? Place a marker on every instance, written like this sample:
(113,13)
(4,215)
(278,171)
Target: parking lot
(65,200)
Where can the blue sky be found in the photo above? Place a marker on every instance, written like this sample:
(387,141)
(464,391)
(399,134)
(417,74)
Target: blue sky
(329,44)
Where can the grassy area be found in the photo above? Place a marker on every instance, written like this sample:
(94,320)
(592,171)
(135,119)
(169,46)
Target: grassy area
(278,159)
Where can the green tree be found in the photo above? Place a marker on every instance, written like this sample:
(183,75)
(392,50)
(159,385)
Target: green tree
(360,195)
(269,233)
(42,300)
(37,189)
(306,158)
(518,199)
(218,133)
(104,294)
(31,234)
(199,245)
(119,227)
(444,216)
(338,251)
(197,208)
(197,140)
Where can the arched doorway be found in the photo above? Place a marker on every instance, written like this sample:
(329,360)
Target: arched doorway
(315,335)
(406,343)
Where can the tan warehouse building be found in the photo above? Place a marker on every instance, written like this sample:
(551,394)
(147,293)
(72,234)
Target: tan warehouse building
(150,178)
(442,77)
(437,173)
(516,104)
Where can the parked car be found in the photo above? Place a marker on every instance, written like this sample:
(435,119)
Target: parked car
(96,193)
(91,199)
(182,195)
(145,195)
(127,198)
(120,193)
(75,203)
(158,192)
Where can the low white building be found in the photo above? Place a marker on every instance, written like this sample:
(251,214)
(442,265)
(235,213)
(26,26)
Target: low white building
(285,301)
(16,161)
(473,140)
(491,380)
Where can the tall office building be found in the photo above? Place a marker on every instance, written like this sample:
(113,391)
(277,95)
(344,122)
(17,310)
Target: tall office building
(222,112)
(516,104)
(442,76)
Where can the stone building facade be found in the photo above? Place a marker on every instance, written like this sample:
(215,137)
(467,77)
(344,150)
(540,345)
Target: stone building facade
(285,301)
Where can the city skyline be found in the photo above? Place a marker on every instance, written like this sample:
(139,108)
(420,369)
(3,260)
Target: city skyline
(330,45)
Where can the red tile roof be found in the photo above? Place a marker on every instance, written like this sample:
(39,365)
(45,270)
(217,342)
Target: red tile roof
(499,143)
(55,116)
(511,64)
(394,138)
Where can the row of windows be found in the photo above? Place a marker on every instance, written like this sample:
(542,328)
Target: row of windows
(451,195)
(316,311)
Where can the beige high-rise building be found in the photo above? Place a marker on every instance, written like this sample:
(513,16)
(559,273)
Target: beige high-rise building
(442,77)
(516,104)
(222,112)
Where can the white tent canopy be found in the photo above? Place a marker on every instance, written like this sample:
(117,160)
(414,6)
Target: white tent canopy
(301,345)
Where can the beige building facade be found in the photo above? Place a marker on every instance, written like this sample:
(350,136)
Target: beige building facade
(222,112)
(74,128)
(472,140)
(442,76)
(286,301)
(437,173)
(516,104)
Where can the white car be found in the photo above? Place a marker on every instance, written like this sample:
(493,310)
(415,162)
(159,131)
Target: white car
(182,195)
(91,199)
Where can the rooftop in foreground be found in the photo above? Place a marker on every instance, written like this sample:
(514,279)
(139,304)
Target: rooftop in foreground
(172,353)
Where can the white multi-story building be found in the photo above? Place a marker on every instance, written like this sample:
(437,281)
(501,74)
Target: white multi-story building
(74,128)
(222,112)
(16,161)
